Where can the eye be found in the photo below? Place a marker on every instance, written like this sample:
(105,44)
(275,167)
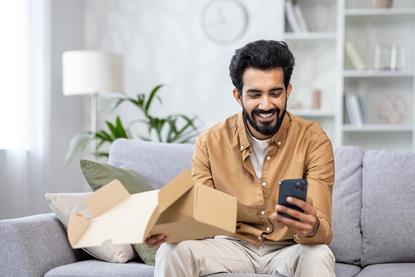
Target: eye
(254,95)
(276,94)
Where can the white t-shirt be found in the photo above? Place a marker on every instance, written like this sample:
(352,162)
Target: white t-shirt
(259,151)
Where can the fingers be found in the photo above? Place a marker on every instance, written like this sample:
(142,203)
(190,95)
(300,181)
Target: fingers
(307,207)
(155,240)
(307,220)
(302,217)
(298,227)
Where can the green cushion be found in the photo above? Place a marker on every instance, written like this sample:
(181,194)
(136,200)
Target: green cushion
(147,254)
(98,174)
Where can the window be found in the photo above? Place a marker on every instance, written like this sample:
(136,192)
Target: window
(13,74)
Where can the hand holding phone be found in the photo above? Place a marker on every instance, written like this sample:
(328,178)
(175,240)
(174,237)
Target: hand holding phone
(295,188)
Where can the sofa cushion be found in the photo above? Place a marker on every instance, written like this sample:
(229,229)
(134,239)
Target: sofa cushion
(158,163)
(99,174)
(346,270)
(388,207)
(100,269)
(65,204)
(388,270)
(347,193)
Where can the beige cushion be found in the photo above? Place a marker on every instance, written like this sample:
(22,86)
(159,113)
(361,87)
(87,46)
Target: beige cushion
(65,204)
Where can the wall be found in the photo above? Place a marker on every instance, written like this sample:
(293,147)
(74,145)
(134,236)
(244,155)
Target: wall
(69,114)
(163,42)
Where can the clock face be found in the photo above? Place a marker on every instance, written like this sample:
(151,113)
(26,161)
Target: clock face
(224,21)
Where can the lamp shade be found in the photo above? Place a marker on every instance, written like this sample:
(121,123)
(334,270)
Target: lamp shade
(90,72)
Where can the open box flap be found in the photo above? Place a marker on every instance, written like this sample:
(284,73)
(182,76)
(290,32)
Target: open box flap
(106,198)
(112,207)
(174,190)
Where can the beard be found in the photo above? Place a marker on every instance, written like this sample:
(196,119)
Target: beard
(265,128)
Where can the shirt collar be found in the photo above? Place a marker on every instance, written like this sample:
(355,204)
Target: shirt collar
(276,139)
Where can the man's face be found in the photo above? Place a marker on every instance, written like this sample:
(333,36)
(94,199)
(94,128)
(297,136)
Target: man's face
(263,101)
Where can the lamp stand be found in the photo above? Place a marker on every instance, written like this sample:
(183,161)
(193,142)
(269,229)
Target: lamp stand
(93,123)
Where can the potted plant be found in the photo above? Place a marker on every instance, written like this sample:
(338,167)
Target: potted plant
(174,128)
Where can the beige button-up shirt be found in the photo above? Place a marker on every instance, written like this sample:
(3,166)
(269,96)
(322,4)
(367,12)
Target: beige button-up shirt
(300,149)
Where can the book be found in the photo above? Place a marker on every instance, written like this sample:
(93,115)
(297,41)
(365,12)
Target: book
(300,18)
(350,113)
(354,56)
(291,17)
(356,111)
(362,108)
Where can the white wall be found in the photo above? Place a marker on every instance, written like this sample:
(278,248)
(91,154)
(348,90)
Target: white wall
(69,115)
(163,42)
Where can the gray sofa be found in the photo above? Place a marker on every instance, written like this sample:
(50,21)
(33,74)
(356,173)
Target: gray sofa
(373,217)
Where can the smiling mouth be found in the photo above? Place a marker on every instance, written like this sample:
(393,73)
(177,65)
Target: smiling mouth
(265,117)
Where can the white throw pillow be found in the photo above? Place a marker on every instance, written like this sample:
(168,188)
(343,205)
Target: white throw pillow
(65,204)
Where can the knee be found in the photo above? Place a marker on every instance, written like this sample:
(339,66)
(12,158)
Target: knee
(317,253)
(171,251)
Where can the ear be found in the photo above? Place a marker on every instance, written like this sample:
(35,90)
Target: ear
(289,89)
(237,96)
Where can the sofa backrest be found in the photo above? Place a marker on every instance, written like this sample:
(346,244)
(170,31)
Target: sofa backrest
(379,231)
(158,163)
(388,211)
(347,203)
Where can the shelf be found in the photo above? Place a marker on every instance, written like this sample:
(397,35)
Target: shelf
(312,113)
(374,12)
(376,74)
(310,36)
(377,128)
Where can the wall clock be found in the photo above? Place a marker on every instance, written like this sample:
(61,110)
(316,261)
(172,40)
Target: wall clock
(224,21)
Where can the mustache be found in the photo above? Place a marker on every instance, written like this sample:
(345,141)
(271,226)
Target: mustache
(259,111)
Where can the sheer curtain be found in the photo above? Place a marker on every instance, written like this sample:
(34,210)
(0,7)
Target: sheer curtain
(24,98)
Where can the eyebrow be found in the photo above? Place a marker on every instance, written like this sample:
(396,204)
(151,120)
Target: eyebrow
(258,90)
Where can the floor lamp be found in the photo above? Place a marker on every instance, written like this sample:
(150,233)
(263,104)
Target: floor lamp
(91,73)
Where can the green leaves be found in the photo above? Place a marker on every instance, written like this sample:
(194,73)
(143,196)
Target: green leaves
(78,144)
(102,137)
(176,128)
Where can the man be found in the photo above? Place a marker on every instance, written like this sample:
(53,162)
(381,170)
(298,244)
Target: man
(246,156)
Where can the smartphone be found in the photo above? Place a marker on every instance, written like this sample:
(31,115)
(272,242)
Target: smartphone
(295,188)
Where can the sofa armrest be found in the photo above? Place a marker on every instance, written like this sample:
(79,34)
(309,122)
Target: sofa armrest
(33,245)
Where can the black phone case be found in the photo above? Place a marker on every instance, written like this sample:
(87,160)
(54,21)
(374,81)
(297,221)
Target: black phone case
(292,187)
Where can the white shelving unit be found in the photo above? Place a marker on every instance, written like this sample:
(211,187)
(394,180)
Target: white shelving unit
(386,93)
(317,65)
(388,96)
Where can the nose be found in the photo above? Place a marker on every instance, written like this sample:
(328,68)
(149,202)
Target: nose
(265,103)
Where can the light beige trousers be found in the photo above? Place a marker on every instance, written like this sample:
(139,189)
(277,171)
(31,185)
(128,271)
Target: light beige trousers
(222,254)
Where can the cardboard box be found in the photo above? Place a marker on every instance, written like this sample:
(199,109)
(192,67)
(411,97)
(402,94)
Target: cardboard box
(180,210)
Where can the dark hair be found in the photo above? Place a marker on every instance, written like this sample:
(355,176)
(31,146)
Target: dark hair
(263,55)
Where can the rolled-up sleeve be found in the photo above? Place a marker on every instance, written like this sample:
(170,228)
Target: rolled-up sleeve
(319,173)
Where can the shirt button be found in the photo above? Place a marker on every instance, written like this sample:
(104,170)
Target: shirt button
(264,184)
(279,143)
(268,229)
(259,238)
(242,147)
(262,212)
(268,158)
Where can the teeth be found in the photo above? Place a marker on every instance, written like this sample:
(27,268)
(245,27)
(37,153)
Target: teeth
(265,115)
